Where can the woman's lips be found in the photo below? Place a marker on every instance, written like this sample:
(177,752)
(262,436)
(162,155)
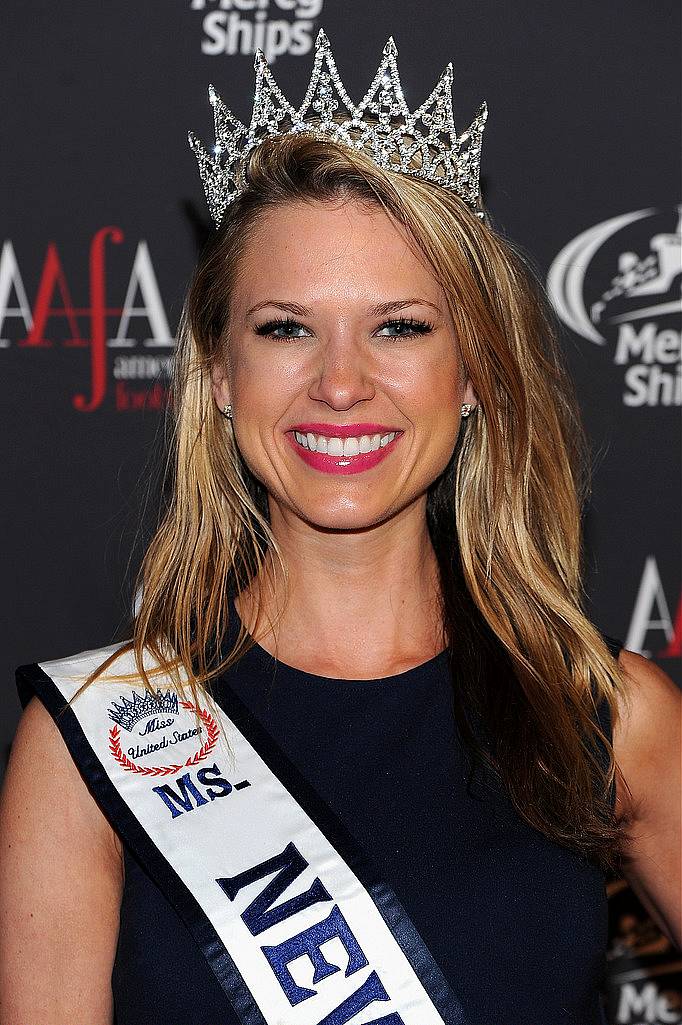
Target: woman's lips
(347,431)
(342,464)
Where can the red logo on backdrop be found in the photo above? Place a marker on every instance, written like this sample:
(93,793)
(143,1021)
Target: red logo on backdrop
(55,320)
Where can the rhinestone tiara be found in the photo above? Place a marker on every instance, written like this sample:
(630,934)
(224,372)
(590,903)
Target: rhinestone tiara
(381,124)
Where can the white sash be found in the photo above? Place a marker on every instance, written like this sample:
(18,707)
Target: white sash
(291,917)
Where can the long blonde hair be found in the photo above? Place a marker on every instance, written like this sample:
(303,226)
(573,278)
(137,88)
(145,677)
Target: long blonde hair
(529,669)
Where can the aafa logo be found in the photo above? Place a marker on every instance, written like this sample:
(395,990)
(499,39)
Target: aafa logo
(136,332)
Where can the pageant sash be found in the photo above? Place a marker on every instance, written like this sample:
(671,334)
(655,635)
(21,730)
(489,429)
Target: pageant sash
(290,915)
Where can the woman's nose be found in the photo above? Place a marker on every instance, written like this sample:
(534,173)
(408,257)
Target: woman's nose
(344,373)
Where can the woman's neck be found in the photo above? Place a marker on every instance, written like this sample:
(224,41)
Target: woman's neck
(361,605)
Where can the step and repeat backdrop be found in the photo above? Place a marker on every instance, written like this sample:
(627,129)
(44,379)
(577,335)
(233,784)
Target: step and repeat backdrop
(102,213)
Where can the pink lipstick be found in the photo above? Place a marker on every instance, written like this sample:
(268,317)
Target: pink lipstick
(343,464)
(345,431)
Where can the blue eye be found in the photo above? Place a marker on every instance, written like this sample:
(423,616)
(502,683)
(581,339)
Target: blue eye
(274,325)
(408,326)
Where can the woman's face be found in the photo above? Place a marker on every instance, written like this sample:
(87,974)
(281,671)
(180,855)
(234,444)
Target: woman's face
(365,349)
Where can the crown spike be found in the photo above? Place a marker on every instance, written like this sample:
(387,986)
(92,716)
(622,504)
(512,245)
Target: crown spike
(423,143)
(470,156)
(385,81)
(323,82)
(477,125)
(259,60)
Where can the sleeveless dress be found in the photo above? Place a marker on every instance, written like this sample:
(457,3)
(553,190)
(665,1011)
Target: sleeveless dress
(516,923)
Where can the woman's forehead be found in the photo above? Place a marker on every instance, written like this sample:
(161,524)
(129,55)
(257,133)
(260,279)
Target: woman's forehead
(349,252)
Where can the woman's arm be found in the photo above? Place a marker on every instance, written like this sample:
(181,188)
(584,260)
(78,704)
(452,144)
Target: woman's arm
(647,741)
(61,880)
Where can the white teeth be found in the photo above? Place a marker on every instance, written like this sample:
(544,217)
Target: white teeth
(343,446)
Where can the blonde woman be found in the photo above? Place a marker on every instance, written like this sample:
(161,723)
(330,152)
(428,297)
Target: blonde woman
(364,759)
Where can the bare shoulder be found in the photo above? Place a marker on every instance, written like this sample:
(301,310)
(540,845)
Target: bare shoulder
(61,881)
(647,742)
(648,725)
(41,764)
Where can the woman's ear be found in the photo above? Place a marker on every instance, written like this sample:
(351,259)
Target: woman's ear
(470,395)
(221,392)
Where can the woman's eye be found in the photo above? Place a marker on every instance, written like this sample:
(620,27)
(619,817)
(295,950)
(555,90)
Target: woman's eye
(404,327)
(407,326)
(273,326)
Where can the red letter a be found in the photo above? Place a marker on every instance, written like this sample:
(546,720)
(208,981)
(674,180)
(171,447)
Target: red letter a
(52,277)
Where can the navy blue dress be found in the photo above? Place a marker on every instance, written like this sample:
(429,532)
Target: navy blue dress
(517,924)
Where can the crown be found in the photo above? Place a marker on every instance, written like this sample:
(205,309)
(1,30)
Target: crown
(130,712)
(423,143)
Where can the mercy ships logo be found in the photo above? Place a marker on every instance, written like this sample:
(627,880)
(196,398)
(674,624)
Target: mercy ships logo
(636,309)
(242,26)
(161,734)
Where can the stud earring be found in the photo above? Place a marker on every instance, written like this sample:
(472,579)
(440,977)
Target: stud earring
(227,411)
(466,409)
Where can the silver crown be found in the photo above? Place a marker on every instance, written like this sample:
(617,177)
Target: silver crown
(392,138)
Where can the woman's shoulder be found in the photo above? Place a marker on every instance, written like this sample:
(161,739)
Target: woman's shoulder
(39,744)
(647,743)
(48,735)
(643,711)
(646,730)
(46,802)
(61,873)
(47,732)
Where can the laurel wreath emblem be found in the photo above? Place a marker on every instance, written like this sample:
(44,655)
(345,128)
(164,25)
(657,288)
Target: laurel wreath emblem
(212,734)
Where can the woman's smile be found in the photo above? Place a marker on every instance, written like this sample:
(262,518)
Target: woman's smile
(351,454)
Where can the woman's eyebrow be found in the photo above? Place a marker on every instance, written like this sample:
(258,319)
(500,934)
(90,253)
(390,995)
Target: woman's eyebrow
(300,311)
(381,309)
(378,310)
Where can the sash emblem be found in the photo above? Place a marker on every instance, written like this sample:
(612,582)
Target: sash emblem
(154,724)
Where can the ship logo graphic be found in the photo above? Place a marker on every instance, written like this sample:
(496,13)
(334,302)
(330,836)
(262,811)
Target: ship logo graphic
(642,287)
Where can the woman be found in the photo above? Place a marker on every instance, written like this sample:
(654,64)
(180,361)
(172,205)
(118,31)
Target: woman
(432,755)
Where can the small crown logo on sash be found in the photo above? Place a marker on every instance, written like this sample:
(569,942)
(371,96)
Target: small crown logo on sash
(128,713)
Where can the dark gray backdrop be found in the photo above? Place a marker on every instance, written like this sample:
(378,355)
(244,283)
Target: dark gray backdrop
(102,210)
